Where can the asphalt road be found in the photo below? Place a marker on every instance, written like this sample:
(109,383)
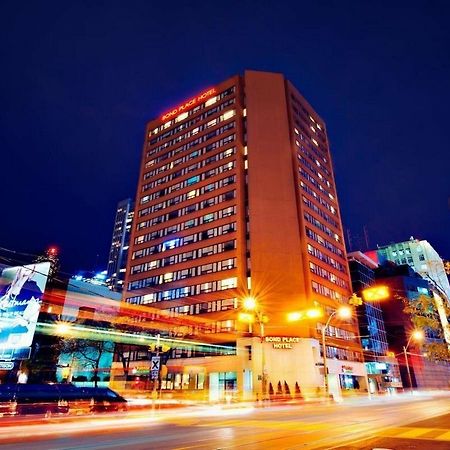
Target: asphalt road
(388,422)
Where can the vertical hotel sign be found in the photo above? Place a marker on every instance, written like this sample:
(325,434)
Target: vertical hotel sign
(21,291)
(189,104)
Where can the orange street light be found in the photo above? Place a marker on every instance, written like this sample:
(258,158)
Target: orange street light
(376,293)
(344,312)
(251,315)
(417,335)
(249,303)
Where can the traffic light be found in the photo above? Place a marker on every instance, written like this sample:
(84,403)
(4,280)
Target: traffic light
(355,300)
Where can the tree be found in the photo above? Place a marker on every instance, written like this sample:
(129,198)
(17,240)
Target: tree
(88,353)
(424,316)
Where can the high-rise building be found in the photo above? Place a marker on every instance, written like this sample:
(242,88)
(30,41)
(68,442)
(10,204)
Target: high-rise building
(237,197)
(118,253)
(382,366)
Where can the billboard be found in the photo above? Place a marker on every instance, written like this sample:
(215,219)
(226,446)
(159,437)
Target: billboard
(21,291)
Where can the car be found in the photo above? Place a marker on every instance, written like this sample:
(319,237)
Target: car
(51,399)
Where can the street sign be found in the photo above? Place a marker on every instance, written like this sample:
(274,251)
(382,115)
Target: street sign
(6,365)
(155,365)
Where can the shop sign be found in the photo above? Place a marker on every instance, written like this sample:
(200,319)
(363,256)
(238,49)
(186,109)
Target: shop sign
(282,342)
(188,104)
(347,369)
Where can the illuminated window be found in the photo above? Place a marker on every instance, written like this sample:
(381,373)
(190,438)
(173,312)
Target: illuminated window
(313,129)
(208,218)
(167,124)
(168,277)
(295,130)
(206,287)
(227,115)
(211,123)
(228,283)
(195,131)
(192,194)
(173,243)
(181,117)
(148,298)
(315,142)
(211,101)
(193,180)
(318,126)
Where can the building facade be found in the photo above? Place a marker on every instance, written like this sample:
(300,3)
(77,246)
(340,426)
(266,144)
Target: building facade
(422,257)
(407,285)
(425,260)
(120,242)
(382,366)
(237,198)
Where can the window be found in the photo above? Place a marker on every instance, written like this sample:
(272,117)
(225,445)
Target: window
(173,243)
(208,218)
(211,101)
(193,180)
(192,194)
(228,283)
(168,277)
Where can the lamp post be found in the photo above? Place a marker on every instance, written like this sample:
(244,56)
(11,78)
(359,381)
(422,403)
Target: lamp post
(417,335)
(255,313)
(344,312)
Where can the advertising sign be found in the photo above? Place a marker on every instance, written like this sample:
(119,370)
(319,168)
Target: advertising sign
(21,291)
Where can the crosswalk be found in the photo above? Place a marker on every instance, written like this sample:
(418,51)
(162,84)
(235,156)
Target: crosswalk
(405,432)
(438,434)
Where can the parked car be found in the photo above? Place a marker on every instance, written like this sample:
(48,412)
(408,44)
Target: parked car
(50,399)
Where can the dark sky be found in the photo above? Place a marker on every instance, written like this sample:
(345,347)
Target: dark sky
(79,80)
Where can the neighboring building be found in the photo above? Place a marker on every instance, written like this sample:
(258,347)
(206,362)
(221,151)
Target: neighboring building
(118,254)
(422,257)
(88,302)
(405,284)
(382,369)
(237,197)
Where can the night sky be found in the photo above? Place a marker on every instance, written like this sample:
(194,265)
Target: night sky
(79,81)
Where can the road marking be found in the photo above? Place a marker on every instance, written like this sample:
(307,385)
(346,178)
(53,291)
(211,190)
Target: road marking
(414,432)
(444,437)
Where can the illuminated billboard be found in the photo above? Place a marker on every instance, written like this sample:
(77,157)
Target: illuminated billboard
(21,291)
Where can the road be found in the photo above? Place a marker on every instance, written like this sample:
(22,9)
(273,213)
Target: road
(354,424)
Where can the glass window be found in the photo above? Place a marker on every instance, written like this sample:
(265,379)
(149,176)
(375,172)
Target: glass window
(193,180)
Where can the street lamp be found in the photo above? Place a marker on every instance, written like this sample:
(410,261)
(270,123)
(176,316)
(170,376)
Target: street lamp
(255,314)
(417,335)
(344,312)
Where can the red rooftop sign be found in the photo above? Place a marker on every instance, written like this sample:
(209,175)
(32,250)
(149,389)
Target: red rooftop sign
(189,104)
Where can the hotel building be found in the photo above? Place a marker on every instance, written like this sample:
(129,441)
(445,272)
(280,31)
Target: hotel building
(237,198)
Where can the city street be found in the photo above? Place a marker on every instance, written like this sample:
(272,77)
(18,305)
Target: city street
(404,421)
